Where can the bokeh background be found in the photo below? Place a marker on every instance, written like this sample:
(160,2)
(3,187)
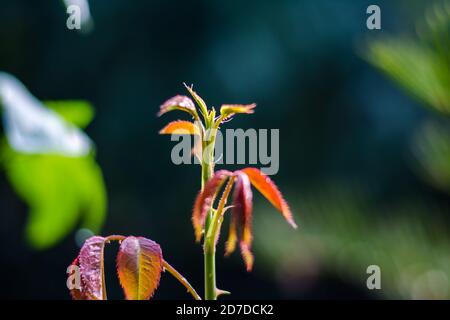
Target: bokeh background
(364,160)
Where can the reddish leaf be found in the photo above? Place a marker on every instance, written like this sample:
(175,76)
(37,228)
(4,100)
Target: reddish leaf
(227,110)
(178,102)
(270,191)
(242,212)
(92,270)
(205,199)
(180,127)
(230,245)
(139,266)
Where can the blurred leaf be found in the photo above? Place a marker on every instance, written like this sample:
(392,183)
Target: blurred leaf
(417,68)
(59,190)
(422,65)
(139,266)
(77,112)
(345,231)
(432,150)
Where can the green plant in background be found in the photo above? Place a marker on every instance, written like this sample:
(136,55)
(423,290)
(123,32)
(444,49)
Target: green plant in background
(347,230)
(421,65)
(61,184)
(139,269)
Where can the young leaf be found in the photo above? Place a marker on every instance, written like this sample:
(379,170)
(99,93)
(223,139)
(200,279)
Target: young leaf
(178,102)
(227,110)
(198,99)
(180,127)
(205,199)
(230,245)
(270,191)
(242,212)
(92,270)
(139,266)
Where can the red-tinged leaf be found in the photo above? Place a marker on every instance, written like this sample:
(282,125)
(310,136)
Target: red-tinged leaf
(178,102)
(247,255)
(242,212)
(227,110)
(205,199)
(197,99)
(91,262)
(139,266)
(270,191)
(180,127)
(230,245)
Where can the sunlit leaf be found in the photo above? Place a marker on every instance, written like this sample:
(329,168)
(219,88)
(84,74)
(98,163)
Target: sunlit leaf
(32,128)
(178,102)
(139,266)
(205,199)
(198,100)
(416,67)
(77,112)
(92,270)
(180,127)
(270,191)
(227,110)
(74,191)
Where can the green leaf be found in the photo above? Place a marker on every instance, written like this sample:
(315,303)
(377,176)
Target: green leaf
(59,191)
(415,67)
(77,112)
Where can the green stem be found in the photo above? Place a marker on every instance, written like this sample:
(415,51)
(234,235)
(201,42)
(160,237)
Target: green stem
(209,249)
(210,271)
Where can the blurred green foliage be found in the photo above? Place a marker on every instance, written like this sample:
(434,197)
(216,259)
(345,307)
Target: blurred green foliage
(344,232)
(422,67)
(60,191)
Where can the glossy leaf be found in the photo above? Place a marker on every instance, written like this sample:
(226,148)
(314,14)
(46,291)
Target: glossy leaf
(139,266)
(92,271)
(205,199)
(180,127)
(178,102)
(227,110)
(270,191)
